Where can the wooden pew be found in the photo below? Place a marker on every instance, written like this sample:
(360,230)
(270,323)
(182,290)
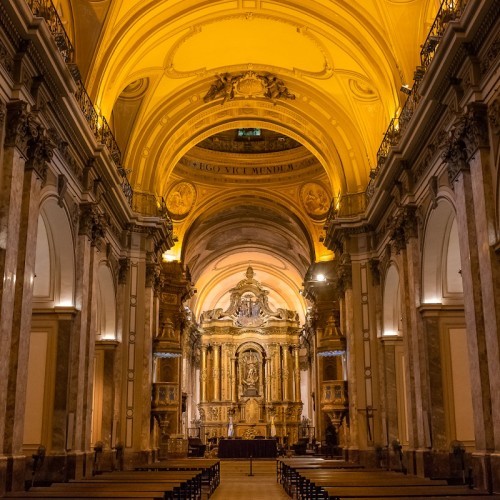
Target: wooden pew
(210,469)
(165,485)
(81,495)
(340,493)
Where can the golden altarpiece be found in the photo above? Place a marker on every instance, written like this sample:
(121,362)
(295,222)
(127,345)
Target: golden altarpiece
(250,367)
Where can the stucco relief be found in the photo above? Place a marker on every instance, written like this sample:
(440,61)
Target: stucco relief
(315,199)
(180,199)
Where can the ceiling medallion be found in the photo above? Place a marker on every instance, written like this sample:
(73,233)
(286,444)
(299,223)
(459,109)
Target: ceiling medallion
(180,199)
(249,84)
(315,200)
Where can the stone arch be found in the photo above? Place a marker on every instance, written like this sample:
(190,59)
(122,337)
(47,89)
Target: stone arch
(106,303)
(392,322)
(441,267)
(54,283)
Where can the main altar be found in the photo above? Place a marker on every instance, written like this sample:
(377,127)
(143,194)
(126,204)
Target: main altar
(250,371)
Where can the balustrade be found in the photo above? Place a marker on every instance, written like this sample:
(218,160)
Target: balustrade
(97,123)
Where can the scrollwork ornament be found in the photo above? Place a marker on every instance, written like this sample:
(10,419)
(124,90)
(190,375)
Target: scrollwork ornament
(40,152)
(3,112)
(410,220)
(123,269)
(92,224)
(374,266)
(152,273)
(476,132)
(344,273)
(494,116)
(18,130)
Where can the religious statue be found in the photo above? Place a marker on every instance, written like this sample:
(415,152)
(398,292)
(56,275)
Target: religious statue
(250,373)
(223,87)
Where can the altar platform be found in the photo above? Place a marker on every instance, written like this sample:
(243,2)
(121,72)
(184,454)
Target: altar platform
(244,448)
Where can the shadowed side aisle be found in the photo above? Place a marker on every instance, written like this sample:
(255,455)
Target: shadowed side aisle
(236,483)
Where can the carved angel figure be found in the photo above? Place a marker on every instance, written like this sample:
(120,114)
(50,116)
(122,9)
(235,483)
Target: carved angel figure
(223,87)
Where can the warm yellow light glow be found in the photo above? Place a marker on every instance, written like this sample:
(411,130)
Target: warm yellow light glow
(320,277)
(65,303)
(169,257)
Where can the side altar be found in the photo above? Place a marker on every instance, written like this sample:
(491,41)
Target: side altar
(250,371)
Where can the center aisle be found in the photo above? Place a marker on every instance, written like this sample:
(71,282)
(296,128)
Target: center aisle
(236,483)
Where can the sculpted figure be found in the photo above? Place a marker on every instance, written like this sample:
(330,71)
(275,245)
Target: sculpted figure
(223,87)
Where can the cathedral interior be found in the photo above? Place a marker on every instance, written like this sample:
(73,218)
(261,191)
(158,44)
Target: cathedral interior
(234,220)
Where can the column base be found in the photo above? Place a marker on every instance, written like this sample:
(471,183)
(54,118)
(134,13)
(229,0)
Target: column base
(134,459)
(495,472)
(481,466)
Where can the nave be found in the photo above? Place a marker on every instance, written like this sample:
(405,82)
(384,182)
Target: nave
(300,478)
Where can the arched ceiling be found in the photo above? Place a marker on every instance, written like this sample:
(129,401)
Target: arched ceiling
(148,66)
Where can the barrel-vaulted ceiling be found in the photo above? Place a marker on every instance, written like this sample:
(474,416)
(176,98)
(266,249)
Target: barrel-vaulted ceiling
(149,64)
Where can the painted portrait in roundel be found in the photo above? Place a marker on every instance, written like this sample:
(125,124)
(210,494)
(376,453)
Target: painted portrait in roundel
(315,199)
(180,199)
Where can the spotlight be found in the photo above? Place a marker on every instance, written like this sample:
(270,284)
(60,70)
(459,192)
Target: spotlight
(405,89)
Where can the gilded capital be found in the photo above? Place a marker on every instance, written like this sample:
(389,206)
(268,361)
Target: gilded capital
(91,223)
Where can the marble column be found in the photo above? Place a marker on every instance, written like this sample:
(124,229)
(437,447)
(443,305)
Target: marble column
(144,357)
(460,176)
(485,195)
(15,122)
(234,380)
(203,375)
(284,373)
(416,340)
(466,155)
(38,153)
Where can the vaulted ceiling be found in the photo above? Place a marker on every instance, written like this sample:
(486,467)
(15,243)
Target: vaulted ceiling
(148,66)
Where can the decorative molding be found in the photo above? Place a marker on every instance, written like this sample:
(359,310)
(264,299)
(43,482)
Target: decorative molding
(123,269)
(404,226)
(469,133)
(152,274)
(490,56)
(433,190)
(374,266)
(494,115)
(92,224)
(21,126)
(40,152)
(3,112)
(344,273)
(249,84)
(6,59)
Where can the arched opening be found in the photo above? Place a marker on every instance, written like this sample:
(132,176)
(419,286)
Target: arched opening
(392,303)
(53,300)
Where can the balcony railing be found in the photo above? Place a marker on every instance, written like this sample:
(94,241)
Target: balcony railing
(348,205)
(46,9)
(449,10)
(150,205)
(97,123)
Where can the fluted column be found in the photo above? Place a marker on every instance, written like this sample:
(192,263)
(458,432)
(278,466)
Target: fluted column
(216,371)
(234,379)
(275,373)
(296,372)
(203,387)
(284,373)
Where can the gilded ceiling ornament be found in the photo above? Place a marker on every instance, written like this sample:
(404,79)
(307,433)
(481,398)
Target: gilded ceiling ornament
(315,199)
(180,199)
(249,84)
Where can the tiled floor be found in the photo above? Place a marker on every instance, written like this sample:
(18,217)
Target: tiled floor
(236,483)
